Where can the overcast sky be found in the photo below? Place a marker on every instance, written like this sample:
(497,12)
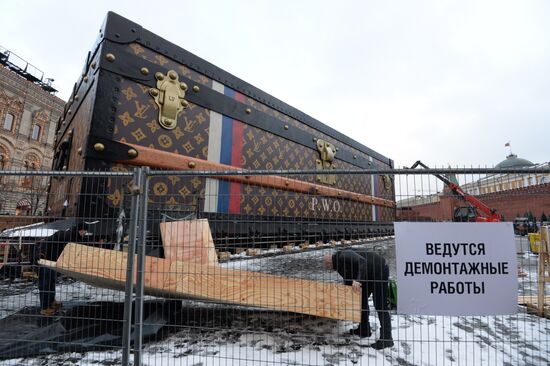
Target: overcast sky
(446,82)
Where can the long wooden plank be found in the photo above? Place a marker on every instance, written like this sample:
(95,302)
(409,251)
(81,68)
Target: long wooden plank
(166,160)
(543,267)
(107,268)
(532,299)
(188,240)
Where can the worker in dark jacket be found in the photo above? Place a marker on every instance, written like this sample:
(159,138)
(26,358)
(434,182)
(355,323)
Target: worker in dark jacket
(50,249)
(366,272)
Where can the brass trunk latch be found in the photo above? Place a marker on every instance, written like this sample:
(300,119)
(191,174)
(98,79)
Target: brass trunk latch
(327,151)
(168,96)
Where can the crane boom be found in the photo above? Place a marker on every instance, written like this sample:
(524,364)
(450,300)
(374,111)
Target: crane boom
(490,214)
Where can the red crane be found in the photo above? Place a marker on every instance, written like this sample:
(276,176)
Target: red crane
(468,213)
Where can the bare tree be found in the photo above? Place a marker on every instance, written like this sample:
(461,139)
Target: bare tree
(15,189)
(37,193)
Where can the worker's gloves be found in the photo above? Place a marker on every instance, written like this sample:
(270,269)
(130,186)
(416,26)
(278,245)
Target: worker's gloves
(356,286)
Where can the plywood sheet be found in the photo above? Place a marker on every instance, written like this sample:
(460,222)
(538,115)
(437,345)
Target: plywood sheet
(188,240)
(107,268)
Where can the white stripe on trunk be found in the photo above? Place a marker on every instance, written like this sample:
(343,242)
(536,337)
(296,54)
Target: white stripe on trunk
(214,152)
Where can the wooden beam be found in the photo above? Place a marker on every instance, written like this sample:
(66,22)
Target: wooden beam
(188,240)
(4,253)
(533,309)
(532,300)
(543,268)
(107,268)
(166,160)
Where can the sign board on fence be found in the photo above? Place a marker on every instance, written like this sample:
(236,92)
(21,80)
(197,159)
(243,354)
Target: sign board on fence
(456,268)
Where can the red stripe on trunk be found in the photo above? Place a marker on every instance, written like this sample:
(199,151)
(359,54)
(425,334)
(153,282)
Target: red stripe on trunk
(236,161)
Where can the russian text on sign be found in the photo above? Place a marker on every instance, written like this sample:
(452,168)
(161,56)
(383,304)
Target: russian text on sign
(459,288)
(453,249)
(456,268)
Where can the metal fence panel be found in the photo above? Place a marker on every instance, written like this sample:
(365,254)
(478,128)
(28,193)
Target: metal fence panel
(230,270)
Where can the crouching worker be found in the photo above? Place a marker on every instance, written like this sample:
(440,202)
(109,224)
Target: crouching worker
(366,272)
(50,249)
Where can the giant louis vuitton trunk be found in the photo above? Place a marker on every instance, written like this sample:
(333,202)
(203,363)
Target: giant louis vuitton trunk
(142,100)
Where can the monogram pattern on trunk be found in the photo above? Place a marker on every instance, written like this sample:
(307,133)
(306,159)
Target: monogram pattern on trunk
(262,150)
(136,122)
(157,59)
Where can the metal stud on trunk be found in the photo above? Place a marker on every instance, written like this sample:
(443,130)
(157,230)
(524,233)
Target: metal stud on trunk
(110,57)
(99,147)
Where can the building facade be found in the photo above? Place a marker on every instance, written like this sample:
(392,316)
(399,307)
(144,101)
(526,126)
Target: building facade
(511,195)
(506,182)
(29,112)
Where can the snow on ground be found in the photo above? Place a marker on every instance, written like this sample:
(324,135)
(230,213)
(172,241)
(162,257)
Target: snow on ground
(271,338)
(508,340)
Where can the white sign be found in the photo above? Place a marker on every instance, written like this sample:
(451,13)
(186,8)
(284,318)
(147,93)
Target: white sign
(456,268)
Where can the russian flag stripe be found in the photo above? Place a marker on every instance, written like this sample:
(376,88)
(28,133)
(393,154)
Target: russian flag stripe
(214,152)
(225,145)
(225,158)
(229,200)
(236,160)
(374,179)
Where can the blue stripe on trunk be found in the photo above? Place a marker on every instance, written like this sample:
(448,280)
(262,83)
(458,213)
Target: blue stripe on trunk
(225,156)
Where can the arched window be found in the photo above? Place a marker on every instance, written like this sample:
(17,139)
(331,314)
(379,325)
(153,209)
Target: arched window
(8,122)
(36,130)
(40,120)
(23,207)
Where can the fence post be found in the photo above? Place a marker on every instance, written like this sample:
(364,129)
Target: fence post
(138,329)
(129,288)
(543,269)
